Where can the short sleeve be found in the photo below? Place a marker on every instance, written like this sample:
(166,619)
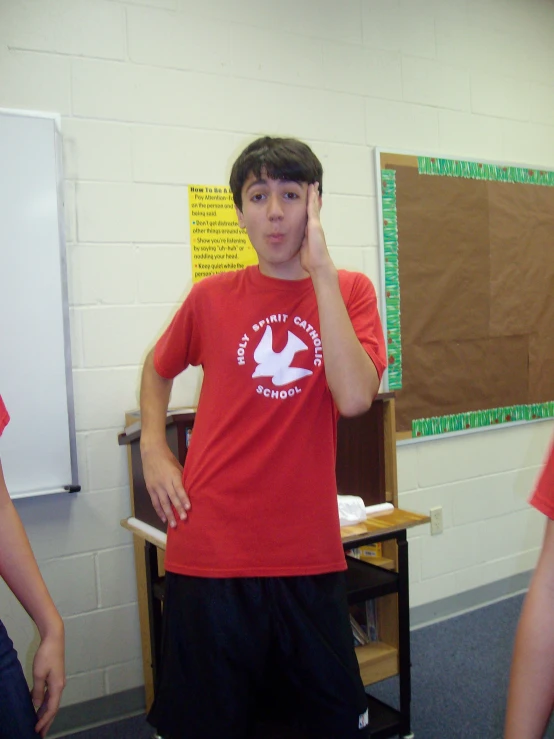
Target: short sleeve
(4,416)
(180,344)
(543,496)
(361,303)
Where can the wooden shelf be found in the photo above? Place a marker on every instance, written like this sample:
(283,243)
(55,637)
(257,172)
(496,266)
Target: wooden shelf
(377,661)
(396,520)
(384,562)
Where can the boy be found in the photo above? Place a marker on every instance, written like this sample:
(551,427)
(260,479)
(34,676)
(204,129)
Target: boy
(19,569)
(255,585)
(531,691)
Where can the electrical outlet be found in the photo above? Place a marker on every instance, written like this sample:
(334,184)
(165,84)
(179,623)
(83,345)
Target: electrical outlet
(436,520)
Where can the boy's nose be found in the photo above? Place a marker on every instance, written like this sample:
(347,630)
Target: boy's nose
(274,207)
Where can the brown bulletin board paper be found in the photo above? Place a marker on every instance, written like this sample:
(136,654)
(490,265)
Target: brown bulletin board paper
(541,352)
(522,257)
(459,376)
(443,258)
(217,242)
(392,161)
(476,286)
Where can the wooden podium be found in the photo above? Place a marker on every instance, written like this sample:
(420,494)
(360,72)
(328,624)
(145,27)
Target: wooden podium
(366,466)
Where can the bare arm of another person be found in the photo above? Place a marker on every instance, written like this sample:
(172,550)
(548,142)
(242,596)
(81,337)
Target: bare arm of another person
(19,569)
(162,471)
(531,691)
(350,373)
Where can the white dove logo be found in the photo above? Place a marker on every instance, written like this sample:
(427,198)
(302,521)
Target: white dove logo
(277,364)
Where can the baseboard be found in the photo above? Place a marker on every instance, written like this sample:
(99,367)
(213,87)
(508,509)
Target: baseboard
(469,600)
(104,710)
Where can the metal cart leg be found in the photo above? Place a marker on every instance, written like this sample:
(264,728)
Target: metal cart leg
(404,658)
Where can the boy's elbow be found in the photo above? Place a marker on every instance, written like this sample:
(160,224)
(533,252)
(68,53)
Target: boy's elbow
(355,405)
(149,360)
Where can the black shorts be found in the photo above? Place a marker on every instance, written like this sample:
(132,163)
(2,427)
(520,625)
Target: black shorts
(242,655)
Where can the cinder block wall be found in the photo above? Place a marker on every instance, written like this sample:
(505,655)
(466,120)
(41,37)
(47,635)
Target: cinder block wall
(157,94)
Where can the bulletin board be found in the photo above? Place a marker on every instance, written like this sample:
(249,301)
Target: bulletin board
(468,272)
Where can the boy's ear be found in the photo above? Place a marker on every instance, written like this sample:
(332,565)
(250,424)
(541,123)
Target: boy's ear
(319,196)
(240,217)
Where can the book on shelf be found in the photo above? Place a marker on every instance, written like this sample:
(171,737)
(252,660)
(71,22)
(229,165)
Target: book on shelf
(367,552)
(360,637)
(371,620)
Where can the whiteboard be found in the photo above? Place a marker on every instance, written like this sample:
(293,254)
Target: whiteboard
(38,447)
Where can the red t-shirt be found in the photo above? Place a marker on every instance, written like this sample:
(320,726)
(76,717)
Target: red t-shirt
(4,416)
(260,470)
(543,497)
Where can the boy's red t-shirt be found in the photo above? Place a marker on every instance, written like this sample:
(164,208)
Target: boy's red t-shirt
(260,470)
(4,416)
(543,497)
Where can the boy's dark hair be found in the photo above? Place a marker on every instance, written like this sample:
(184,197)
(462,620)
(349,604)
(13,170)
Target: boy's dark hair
(280,159)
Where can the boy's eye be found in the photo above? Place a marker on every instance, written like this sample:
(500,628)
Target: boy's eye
(257,197)
(291,195)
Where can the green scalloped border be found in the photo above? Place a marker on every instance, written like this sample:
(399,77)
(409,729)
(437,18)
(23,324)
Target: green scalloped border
(484,171)
(392,283)
(480,419)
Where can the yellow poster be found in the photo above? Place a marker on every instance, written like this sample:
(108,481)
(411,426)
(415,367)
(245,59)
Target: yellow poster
(217,242)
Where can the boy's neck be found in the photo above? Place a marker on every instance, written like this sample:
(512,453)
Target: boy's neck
(291,271)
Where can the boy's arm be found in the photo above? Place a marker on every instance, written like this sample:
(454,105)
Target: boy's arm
(531,691)
(19,569)
(162,471)
(350,373)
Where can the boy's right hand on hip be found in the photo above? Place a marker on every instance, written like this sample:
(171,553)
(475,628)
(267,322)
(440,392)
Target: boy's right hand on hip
(164,481)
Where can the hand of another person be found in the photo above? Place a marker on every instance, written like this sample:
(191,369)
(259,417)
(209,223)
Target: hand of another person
(163,476)
(313,252)
(48,680)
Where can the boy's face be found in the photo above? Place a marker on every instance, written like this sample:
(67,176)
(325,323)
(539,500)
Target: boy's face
(274,213)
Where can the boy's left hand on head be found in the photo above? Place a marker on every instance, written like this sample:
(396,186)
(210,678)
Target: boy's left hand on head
(314,254)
